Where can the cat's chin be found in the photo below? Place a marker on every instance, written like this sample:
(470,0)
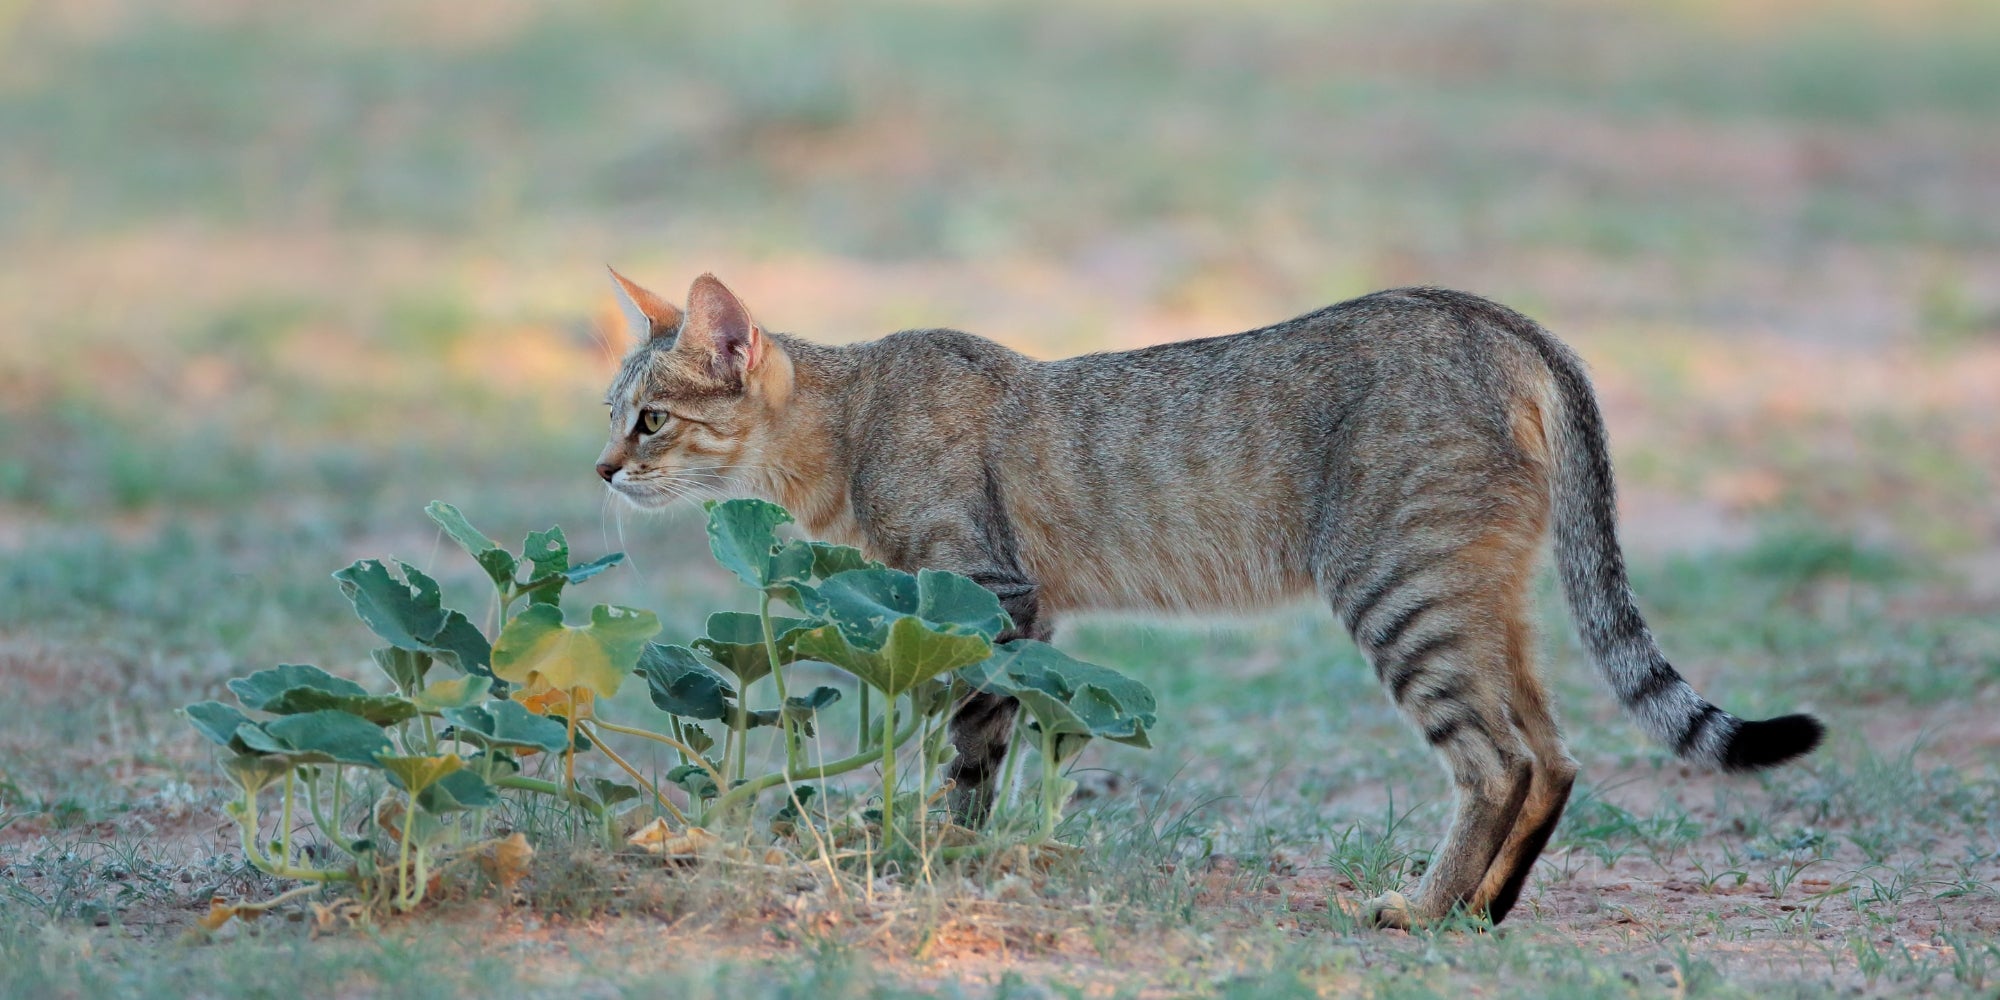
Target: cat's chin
(642,499)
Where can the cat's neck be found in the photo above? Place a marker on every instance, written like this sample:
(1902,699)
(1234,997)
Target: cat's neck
(803,460)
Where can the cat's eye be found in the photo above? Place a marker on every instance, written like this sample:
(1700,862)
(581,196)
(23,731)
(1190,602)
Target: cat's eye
(650,421)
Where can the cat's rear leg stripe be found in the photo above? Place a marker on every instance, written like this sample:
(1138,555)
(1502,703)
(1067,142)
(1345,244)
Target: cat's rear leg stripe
(1358,605)
(1393,629)
(1378,590)
(1436,733)
(1409,665)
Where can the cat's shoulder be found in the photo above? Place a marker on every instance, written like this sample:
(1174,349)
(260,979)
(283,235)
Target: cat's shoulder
(947,348)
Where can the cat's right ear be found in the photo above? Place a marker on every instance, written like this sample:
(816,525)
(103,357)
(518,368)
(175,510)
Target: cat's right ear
(648,316)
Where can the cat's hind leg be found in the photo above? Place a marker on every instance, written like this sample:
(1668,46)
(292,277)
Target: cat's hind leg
(1448,689)
(1444,630)
(1554,774)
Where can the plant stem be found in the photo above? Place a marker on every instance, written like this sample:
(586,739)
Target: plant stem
(924,749)
(685,750)
(739,744)
(246,825)
(403,856)
(680,737)
(888,776)
(1003,795)
(861,732)
(423,881)
(527,784)
(330,828)
(285,830)
(749,789)
(634,772)
(778,675)
(1050,775)
(339,790)
(569,753)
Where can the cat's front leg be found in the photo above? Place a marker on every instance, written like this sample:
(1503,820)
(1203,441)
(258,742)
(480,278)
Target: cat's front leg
(982,724)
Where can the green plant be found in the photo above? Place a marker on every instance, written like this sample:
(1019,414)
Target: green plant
(436,755)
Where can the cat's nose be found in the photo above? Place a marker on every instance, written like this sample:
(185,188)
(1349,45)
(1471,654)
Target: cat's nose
(607,470)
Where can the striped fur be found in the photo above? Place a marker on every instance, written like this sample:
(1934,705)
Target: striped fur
(1403,456)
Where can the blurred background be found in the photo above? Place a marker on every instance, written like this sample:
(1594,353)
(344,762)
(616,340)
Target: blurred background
(274,274)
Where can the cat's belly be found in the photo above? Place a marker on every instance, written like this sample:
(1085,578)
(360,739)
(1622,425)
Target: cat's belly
(1166,570)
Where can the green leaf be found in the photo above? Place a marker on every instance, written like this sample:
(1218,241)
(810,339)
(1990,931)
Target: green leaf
(736,640)
(695,780)
(910,653)
(460,644)
(405,668)
(506,724)
(802,709)
(294,688)
(498,563)
(932,697)
(1068,696)
(951,599)
(454,523)
(548,551)
(743,536)
(803,705)
(263,688)
(801,795)
(456,791)
(829,559)
(320,737)
(459,692)
(578,574)
(608,793)
(380,709)
(598,656)
(408,612)
(697,738)
(218,722)
(414,773)
(865,602)
(254,773)
(685,683)
(548,589)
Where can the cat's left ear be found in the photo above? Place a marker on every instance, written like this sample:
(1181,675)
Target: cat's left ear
(647,315)
(719,325)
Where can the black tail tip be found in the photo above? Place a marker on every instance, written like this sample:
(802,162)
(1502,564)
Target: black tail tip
(1758,745)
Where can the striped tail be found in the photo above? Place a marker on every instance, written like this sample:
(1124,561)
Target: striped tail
(1592,568)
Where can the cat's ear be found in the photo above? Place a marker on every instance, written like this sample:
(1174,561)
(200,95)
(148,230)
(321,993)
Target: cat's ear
(647,315)
(718,324)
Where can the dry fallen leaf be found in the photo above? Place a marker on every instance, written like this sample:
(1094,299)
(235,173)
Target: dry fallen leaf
(340,913)
(505,861)
(221,911)
(659,838)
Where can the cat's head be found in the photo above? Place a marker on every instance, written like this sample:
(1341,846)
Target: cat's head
(692,404)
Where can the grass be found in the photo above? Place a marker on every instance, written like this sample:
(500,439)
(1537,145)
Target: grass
(267,290)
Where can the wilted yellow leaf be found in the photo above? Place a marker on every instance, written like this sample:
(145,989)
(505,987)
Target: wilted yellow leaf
(542,698)
(537,646)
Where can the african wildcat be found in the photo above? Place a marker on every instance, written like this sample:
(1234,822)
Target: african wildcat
(1401,455)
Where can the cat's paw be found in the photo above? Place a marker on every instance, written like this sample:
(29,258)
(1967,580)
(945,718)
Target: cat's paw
(1389,910)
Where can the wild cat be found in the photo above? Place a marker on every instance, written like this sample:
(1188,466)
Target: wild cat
(1400,455)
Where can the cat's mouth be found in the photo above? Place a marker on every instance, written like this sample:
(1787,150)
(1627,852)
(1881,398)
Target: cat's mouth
(643,492)
(656,490)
